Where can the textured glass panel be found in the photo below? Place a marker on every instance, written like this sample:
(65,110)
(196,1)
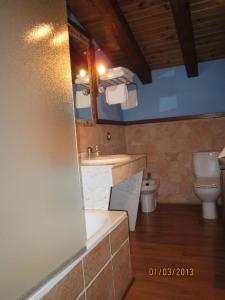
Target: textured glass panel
(41,216)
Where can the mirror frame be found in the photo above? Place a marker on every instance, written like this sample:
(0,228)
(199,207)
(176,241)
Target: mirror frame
(78,34)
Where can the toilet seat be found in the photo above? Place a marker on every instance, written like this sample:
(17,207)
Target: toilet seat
(207,182)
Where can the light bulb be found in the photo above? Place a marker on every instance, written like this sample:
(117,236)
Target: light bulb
(83,73)
(101,69)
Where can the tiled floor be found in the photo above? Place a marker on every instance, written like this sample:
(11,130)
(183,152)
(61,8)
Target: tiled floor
(175,236)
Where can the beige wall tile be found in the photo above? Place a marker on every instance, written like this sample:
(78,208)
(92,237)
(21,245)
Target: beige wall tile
(122,273)
(96,135)
(169,147)
(119,235)
(69,287)
(102,287)
(96,259)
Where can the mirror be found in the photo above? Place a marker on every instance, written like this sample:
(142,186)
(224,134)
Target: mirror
(82,56)
(90,102)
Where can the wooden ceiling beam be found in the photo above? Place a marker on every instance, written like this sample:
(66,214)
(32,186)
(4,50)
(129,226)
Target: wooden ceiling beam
(182,18)
(115,21)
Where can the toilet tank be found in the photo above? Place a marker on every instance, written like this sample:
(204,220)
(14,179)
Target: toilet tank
(205,164)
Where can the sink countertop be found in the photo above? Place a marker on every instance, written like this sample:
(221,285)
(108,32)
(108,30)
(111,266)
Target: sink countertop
(133,157)
(124,168)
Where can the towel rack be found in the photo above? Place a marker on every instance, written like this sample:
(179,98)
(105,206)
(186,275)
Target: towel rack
(84,87)
(102,84)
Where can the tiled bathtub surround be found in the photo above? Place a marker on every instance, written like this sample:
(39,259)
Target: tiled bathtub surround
(103,273)
(96,135)
(169,147)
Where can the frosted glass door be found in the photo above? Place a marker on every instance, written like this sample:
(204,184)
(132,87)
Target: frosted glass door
(41,214)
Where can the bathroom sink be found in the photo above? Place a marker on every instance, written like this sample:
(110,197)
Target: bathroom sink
(105,159)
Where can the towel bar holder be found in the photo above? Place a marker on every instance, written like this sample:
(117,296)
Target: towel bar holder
(84,87)
(103,84)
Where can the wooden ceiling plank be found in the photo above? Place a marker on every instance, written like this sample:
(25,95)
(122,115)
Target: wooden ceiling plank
(114,19)
(209,27)
(208,9)
(137,14)
(182,17)
(152,24)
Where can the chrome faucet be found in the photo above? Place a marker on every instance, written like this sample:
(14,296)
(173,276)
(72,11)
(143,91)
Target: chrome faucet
(95,152)
(89,152)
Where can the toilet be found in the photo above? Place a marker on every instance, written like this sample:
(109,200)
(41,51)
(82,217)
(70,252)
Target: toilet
(207,182)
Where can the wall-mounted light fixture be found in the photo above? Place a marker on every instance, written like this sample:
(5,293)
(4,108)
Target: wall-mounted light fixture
(101,70)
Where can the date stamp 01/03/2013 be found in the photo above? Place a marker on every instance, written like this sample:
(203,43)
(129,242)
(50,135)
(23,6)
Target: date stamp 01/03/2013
(171,271)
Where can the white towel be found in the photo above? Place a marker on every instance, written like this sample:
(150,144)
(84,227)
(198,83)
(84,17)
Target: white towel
(79,79)
(116,94)
(132,100)
(82,101)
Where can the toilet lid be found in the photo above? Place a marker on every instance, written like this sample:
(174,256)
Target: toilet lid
(207,182)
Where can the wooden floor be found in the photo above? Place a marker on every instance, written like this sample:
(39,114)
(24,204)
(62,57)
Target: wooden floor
(175,236)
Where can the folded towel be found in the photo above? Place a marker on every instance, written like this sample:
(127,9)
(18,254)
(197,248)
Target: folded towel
(82,101)
(132,100)
(79,79)
(116,94)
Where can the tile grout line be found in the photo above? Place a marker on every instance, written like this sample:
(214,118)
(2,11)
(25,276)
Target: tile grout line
(124,242)
(84,279)
(80,295)
(114,291)
(83,291)
(110,248)
(99,272)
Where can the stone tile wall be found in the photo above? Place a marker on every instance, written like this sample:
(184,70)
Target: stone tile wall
(169,147)
(96,135)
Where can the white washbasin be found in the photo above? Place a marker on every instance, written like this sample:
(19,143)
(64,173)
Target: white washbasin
(106,159)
